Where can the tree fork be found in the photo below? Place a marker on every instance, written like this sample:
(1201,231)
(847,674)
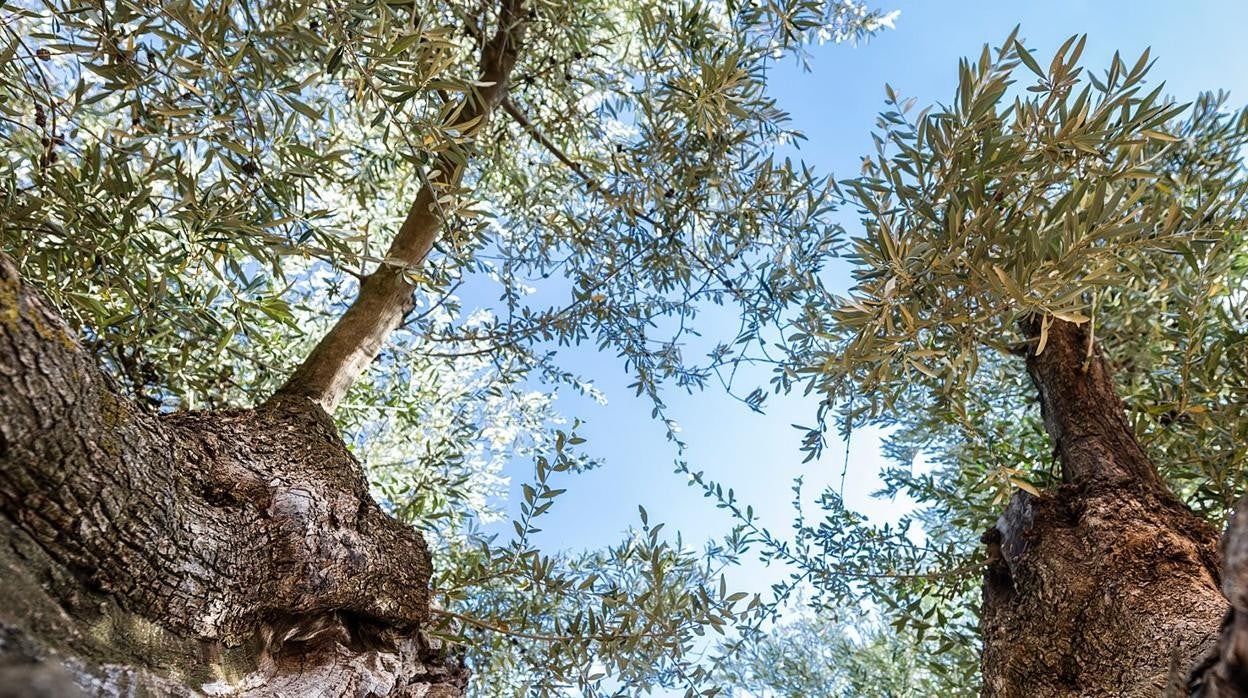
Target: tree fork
(233,552)
(236,550)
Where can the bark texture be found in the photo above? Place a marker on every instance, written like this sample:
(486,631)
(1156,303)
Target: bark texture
(226,553)
(1224,671)
(1109,585)
(385,295)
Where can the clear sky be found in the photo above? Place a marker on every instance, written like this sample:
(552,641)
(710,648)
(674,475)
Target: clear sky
(1199,46)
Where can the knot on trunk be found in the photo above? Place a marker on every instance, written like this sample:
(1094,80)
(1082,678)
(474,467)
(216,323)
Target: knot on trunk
(291,523)
(220,552)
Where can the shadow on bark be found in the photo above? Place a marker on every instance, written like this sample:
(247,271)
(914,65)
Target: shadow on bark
(1224,671)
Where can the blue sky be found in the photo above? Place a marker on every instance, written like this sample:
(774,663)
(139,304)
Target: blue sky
(1198,46)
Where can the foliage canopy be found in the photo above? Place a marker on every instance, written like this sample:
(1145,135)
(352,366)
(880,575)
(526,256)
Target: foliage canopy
(200,187)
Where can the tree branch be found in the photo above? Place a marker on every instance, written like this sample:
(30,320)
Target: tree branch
(386,295)
(1082,411)
(596,187)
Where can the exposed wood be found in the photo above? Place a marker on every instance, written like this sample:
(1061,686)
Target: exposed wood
(385,295)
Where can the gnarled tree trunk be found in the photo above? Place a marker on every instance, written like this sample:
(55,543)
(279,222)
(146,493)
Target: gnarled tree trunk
(1109,585)
(222,553)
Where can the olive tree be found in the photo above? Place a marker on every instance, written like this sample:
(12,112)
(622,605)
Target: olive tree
(1048,308)
(238,242)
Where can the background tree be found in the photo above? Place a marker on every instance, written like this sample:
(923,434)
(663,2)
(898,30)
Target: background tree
(218,196)
(815,656)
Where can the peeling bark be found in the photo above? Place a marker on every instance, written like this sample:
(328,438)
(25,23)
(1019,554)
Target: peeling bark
(1109,585)
(217,552)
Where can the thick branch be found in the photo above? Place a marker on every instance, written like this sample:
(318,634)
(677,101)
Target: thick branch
(1082,411)
(386,295)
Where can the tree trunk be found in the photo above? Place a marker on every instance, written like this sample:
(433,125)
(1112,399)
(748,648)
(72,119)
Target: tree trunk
(1224,671)
(223,553)
(1109,585)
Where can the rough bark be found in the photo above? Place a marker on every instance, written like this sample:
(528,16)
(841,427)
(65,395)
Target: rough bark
(1109,585)
(1224,671)
(224,553)
(385,295)
(228,553)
